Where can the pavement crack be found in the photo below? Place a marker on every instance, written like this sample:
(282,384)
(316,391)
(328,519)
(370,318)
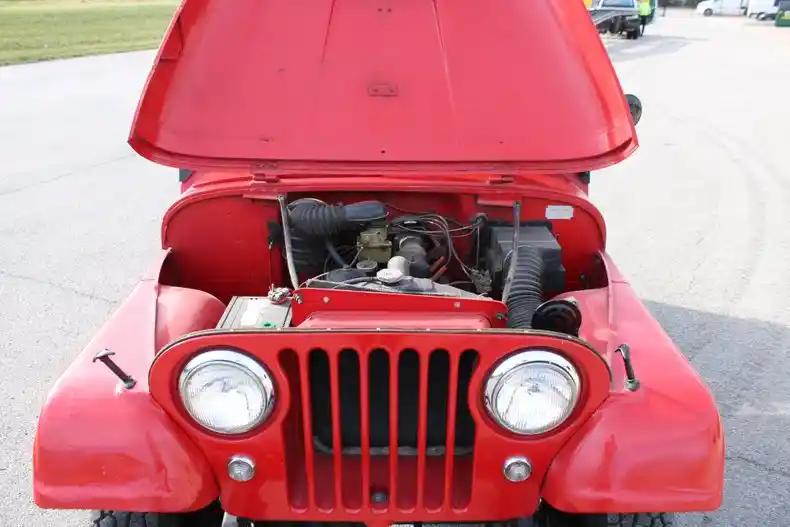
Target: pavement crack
(83,294)
(695,271)
(63,175)
(761,466)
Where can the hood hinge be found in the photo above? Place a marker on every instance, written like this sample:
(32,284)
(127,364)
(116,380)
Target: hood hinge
(501,179)
(266,178)
(261,172)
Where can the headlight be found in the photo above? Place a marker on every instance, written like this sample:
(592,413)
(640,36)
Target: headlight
(226,391)
(532,392)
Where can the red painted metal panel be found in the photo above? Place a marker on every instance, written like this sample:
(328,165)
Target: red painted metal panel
(665,442)
(317,306)
(331,82)
(411,320)
(100,446)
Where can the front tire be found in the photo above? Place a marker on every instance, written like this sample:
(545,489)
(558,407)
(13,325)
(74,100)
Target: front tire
(135,519)
(548,516)
(645,519)
(708,12)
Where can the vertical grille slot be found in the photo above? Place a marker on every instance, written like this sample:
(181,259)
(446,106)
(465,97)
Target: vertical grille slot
(297,464)
(449,455)
(379,413)
(422,430)
(408,399)
(349,389)
(364,415)
(394,491)
(337,429)
(319,421)
(379,429)
(307,429)
(463,463)
(437,384)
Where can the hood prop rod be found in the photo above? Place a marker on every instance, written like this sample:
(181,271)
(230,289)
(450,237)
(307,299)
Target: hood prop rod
(511,271)
(289,257)
(631,382)
(104,357)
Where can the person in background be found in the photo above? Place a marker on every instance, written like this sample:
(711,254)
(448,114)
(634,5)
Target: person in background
(663,5)
(644,13)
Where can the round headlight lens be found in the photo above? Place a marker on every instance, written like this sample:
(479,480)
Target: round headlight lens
(226,391)
(532,392)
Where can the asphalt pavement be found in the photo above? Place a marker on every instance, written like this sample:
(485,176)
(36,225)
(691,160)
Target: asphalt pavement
(697,219)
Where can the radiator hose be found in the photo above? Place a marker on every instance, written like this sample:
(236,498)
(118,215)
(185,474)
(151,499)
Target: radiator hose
(316,218)
(526,291)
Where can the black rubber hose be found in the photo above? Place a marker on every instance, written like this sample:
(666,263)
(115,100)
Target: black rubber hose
(526,293)
(320,219)
(330,247)
(317,219)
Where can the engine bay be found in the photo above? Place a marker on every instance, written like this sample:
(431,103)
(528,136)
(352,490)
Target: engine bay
(374,247)
(361,246)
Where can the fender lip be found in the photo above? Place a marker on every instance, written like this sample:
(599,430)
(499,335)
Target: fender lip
(618,461)
(109,461)
(659,448)
(101,446)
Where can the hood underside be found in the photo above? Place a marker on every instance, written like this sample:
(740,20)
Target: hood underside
(389,83)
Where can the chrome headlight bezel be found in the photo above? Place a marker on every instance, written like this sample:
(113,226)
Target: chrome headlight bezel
(517,360)
(243,362)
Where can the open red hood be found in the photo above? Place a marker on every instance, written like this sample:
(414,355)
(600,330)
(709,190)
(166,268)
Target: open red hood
(389,84)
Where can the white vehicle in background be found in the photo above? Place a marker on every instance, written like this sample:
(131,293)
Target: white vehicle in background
(762,9)
(722,7)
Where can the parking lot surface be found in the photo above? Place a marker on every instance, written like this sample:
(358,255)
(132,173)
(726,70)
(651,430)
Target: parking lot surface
(697,219)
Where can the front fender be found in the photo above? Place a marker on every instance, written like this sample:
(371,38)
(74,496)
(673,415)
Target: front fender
(101,446)
(660,448)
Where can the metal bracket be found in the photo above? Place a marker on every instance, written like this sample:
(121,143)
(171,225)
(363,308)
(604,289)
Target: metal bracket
(104,357)
(631,382)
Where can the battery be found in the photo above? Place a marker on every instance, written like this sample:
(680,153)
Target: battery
(251,312)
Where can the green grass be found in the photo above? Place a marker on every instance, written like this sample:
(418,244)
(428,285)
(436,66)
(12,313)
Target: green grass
(33,30)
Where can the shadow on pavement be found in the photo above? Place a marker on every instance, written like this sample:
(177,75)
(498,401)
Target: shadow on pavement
(744,362)
(693,330)
(648,45)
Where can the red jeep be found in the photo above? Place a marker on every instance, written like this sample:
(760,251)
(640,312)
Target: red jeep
(383,296)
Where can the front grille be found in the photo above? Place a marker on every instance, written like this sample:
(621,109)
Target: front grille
(401,421)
